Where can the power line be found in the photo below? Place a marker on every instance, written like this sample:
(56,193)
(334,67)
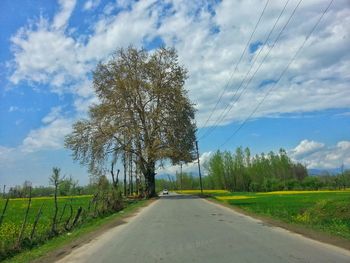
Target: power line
(230,106)
(236,66)
(281,75)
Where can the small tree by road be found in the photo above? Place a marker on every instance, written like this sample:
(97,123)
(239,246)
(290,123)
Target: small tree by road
(55,180)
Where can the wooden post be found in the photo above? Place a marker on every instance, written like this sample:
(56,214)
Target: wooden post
(25,218)
(66,226)
(4,210)
(80,209)
(36,221)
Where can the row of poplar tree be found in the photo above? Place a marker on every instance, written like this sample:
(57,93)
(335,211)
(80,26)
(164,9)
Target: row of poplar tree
(239,171)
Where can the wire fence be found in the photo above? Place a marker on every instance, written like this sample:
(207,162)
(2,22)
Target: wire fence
(28,222)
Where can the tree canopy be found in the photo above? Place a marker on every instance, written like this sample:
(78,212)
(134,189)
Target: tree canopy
(143,110)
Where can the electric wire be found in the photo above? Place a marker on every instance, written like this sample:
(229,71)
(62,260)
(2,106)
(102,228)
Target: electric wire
(236,66)
(229,106)
(281,75)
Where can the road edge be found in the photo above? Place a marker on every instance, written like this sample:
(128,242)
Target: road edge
(54,250)
(86,238)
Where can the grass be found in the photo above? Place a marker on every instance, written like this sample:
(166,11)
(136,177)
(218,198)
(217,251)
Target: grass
(325,211)
(61,241)
(15,213)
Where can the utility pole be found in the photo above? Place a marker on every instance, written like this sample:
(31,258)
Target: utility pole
(199,169)
(181,176)
(342,176)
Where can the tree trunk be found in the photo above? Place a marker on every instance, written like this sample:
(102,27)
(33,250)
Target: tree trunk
(150,180)
(130,190)
(124,163)
(54,219)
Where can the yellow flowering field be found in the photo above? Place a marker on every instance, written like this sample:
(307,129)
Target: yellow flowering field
(303,192)
(234,197)
(16,210)
(51,197)
(193,192)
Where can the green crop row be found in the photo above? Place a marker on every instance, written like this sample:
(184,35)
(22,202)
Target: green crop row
(327,211)
(13,219)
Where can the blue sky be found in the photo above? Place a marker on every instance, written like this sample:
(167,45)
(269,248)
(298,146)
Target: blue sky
(49,48)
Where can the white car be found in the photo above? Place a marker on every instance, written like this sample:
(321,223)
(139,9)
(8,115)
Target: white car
(165,192)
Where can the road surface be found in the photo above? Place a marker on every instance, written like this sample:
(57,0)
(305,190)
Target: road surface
(183,229)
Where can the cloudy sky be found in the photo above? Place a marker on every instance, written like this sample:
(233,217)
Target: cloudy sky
(275,89)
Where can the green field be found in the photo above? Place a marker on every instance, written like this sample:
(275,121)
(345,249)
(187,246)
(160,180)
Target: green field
(16,210)
(327,211)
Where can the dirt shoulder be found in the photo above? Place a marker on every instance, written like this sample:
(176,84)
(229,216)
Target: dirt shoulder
(304,231)
(85,238)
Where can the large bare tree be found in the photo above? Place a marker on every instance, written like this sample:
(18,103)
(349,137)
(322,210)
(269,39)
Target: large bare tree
(143,110)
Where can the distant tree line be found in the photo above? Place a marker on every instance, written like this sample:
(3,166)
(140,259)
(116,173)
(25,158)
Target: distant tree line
(239,171)
(67,187)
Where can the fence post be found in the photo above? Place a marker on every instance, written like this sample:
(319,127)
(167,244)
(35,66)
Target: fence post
(69,218)
(77,216)
(36,221)
(4,210)
(63,210)
(25,218)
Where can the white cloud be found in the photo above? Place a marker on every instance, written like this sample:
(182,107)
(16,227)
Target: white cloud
(50,135)
(306,147)
(45,56)
(344,145)
(210,39)
(4,151)
(128,27)
(317,155)
(186,168)
(54,114)
(91,4)
(211,57)
(62,17)
(48,54)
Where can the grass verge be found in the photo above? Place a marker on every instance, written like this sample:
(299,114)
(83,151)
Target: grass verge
(61,245)
(325,212)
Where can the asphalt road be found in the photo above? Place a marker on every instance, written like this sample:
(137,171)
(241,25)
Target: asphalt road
(188,229)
